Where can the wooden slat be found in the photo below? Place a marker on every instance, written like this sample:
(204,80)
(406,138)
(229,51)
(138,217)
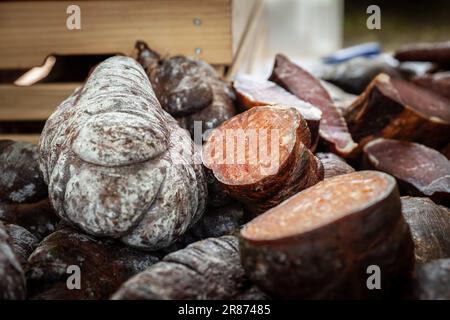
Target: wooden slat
(35,102)
(29,31)
(251,49)
(33,138)
(241,12)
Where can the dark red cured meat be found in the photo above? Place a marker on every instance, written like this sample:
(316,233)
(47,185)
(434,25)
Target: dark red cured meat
(333,129)
(438,82)
(430,228)
(333,165)
(438,52)
(396,109)
(104,265)
(419,170)
(189,89)
(252,92)
(319,243)
(207,269)
(270,160)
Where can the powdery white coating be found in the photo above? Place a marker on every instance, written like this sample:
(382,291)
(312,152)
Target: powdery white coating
(22,194)
(22,241)
(118,139)
(170,210)
(118,165)
(12,279)
(20,181)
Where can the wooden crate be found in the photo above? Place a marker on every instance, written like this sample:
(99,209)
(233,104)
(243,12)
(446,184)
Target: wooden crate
(31,30)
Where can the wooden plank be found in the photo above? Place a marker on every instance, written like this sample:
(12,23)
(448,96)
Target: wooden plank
(253,44)
(241,12)
(29,31)
(35,102)
(33,138)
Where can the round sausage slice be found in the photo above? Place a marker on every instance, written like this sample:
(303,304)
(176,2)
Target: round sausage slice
(326,241)
(262,156)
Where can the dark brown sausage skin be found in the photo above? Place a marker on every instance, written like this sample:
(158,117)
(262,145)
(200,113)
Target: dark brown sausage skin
(215,222)
(420,171)
(438,52)
(208,269)
(23,192)
(430,228)
(333,130)
(252,177)
(12,280)
(333,165)
(395,109)
(22,241)
(438,82)
(190,90)
(320,243)
(104,266)
(432,281)
(39,217)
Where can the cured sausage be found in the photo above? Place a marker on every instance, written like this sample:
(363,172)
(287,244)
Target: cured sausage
(208,269)
(117,165)
(215,222)
(333,165)
(217,197)
(21,181)
(22,241)
(12,280)
(430,228)
(23,192)
(432,280)
(396,109)
(103,264)
(39,217)
(190,90)
(438,52)
(341,99)
(419,170)
(321,242)
(261,156)
(333,129)
(438,82)
(252,92)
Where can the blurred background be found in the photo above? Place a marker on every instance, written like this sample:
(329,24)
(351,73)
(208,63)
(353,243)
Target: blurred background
(307,30)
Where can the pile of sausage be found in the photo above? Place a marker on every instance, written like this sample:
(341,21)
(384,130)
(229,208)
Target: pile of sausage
(159,180)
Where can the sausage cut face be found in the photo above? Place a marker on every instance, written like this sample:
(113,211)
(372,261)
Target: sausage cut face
(253,145)
(318,205)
